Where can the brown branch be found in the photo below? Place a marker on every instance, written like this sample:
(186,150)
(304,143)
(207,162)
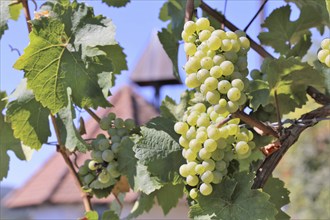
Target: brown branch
(278,112)
(224,121)
(189,10)
(93,115)
(257,125)
(27,14)
(220,18)
(290,136)
(318,96)
(62,150)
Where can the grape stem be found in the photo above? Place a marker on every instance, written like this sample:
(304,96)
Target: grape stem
(189,10)
(257,125)
(93,115)
(220,18)
(27,14)
(86,198)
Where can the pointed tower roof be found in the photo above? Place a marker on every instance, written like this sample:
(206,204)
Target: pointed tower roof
(154,67)
(53,184)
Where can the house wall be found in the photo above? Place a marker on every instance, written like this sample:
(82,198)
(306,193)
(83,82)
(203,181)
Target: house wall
(76,211)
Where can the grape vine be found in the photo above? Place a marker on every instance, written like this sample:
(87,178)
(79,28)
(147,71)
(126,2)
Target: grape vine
(218,146)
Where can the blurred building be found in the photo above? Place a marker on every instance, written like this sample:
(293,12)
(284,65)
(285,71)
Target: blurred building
(51,193)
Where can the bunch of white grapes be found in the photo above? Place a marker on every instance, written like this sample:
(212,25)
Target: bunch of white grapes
(101,171)
(324,54)
(217,70)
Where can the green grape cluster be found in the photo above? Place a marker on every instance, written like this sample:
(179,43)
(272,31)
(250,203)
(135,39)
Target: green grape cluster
(217,64)
(217,70)
(324,53)
(101,171)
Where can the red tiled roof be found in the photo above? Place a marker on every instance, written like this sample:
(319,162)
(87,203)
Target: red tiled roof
(54,184)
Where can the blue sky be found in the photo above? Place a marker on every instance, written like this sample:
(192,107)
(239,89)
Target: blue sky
(135,24)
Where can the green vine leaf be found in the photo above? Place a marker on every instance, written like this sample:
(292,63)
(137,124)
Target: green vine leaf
(8,10)
(116,3)
(143,204)
(169,108)
(28,118)
(322,7)
(92,215)
(9,142)
(171,47)
(173,10)
(279,196)
(167,198)
(159,151)
(70,136)
(70,50)
(232,199)
(290,78)
(283,34)
(168,202)
(110,214)
(259,93)
(144,181)
(127,161)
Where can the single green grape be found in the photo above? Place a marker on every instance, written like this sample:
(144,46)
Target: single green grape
(206,63)
(202,24)
(193,193)
(199,169)
(119,123)
(209,164)
(216,71)
(227,68)
(108,155)
(204,35)
(214,42)
(184,170)
(207,176)
(205,189)
(190,49)
(189,27)
(242,148)
(184,142)
(105,123)
(129,124)
(93,165)
(181,127)
(103,144)
(211,83)
(192,180)
(223,87)
(104,177)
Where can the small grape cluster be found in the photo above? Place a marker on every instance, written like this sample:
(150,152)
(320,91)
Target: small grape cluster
(324,54)
(217,70)
(101,171)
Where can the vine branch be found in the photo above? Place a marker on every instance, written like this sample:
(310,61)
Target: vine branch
(257,125)
(93,115)
(62,150)
(27,14)
(189,10)
(220,18)
(290,136)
